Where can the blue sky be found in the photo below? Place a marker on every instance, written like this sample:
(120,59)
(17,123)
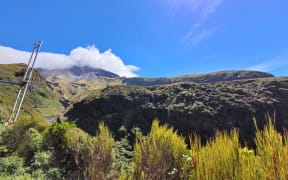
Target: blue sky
(157,37)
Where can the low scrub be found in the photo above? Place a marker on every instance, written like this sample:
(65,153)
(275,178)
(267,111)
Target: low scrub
(65,151)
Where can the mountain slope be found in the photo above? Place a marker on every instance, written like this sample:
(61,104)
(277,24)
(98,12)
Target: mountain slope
(188,107)
(39,99)
(72,84)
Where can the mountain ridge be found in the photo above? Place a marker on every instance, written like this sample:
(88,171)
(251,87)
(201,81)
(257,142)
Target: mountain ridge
(88,74)
(198,78)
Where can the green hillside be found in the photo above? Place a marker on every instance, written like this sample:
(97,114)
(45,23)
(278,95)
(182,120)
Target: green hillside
(39,99)
(188,107)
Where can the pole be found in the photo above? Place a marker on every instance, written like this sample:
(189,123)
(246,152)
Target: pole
(28,75)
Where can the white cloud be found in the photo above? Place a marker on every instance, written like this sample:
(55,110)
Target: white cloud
(195,37)
(270,65)
(80,56)
(211,7)
(205,8)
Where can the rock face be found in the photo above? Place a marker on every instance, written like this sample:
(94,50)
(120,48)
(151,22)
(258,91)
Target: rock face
(188,107)
(198,78)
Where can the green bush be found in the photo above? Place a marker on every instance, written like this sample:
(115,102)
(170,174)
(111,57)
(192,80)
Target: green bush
(11,165)
(53,173)
(42,160)
(123,156)
(25,122)
(80,145)
(55,140)
(56,134)
(17,135)
(92,156)
(30,143)
(102,159)
(38,174)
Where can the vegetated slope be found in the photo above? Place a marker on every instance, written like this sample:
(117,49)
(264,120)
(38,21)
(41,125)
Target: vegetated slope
(39,99)
(73,84)
(188,107)
(198,78)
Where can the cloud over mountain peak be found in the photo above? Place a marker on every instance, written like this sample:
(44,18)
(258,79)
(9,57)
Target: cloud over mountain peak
(80,56)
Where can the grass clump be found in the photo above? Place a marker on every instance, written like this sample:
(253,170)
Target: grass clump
(163,155)
(224,158)
(219,159)
(158,156)
(272,149)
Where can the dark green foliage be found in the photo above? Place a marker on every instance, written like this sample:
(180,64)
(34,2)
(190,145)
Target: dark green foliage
(23,131)
(11,165)
(188,107)
(25,138)
(53,173)
(92,156)
(55,139)
(30,143)
(103,157)
(56,133)
(123,155)
(80,145)
(42,160)
(3,150)
(36,122)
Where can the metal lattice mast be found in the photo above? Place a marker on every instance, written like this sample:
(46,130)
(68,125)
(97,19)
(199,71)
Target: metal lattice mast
(25,83)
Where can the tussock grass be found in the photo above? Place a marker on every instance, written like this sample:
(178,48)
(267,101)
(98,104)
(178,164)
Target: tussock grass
(224,158)
(159,156)
(219,159)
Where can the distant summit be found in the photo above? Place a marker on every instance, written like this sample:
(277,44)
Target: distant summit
(76,73)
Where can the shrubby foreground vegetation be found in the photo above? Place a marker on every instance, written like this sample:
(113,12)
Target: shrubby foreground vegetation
(32,149)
